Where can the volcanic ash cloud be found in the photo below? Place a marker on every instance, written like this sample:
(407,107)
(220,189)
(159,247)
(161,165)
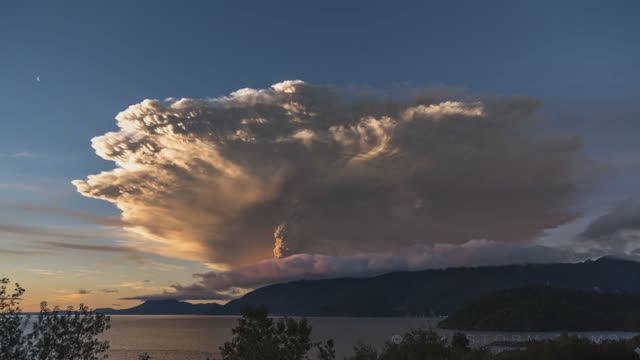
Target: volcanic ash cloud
(211,179)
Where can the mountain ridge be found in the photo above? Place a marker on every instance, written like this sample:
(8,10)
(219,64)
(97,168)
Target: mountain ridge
(544,308)
(164,307)
(432,292)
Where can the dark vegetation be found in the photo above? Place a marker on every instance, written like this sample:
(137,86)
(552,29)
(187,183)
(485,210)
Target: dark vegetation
(544,308)
(53,335)
(433,292)
(575,348)
(73,335)
(421,293)
(259,337)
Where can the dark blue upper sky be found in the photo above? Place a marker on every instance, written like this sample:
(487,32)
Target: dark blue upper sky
(101,53)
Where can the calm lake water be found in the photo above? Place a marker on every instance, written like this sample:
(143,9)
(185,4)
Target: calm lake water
(196,337)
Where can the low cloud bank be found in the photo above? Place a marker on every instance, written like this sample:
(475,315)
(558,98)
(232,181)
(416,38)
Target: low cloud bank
(225,285)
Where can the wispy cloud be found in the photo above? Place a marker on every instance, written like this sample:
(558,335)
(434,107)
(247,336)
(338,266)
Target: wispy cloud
(51,240)
(30,188)
(83,215)
(88,272)
(131,253)
(19,154)
(47,272)
(136,285)
(49,232)
(87,247)
(5,251)
(23,154)
(58,237)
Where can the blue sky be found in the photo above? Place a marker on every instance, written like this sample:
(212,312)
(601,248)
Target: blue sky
(95,59)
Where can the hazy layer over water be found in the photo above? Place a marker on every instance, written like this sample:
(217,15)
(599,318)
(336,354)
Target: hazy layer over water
(195,337)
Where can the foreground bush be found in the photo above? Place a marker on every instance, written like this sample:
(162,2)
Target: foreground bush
(573,347)
(259,337)
(54,335)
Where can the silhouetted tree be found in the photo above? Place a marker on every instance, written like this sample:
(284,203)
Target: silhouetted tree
(54,335)
(363,352)
(259,337)
(12,344)
(326,350)
(460,342)
(69,334)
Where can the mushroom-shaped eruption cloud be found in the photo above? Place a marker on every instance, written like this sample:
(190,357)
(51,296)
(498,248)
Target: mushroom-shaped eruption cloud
(214,179)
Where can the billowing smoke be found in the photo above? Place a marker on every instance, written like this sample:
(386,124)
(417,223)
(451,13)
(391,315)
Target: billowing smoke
(281,245)
(285,235)
(337,175)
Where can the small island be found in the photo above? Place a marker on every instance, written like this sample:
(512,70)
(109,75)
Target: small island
(545,308)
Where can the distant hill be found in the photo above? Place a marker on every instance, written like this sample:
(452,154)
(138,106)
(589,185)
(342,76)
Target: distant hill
(421,293)
(165,307)
(433,292)
(543,308)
